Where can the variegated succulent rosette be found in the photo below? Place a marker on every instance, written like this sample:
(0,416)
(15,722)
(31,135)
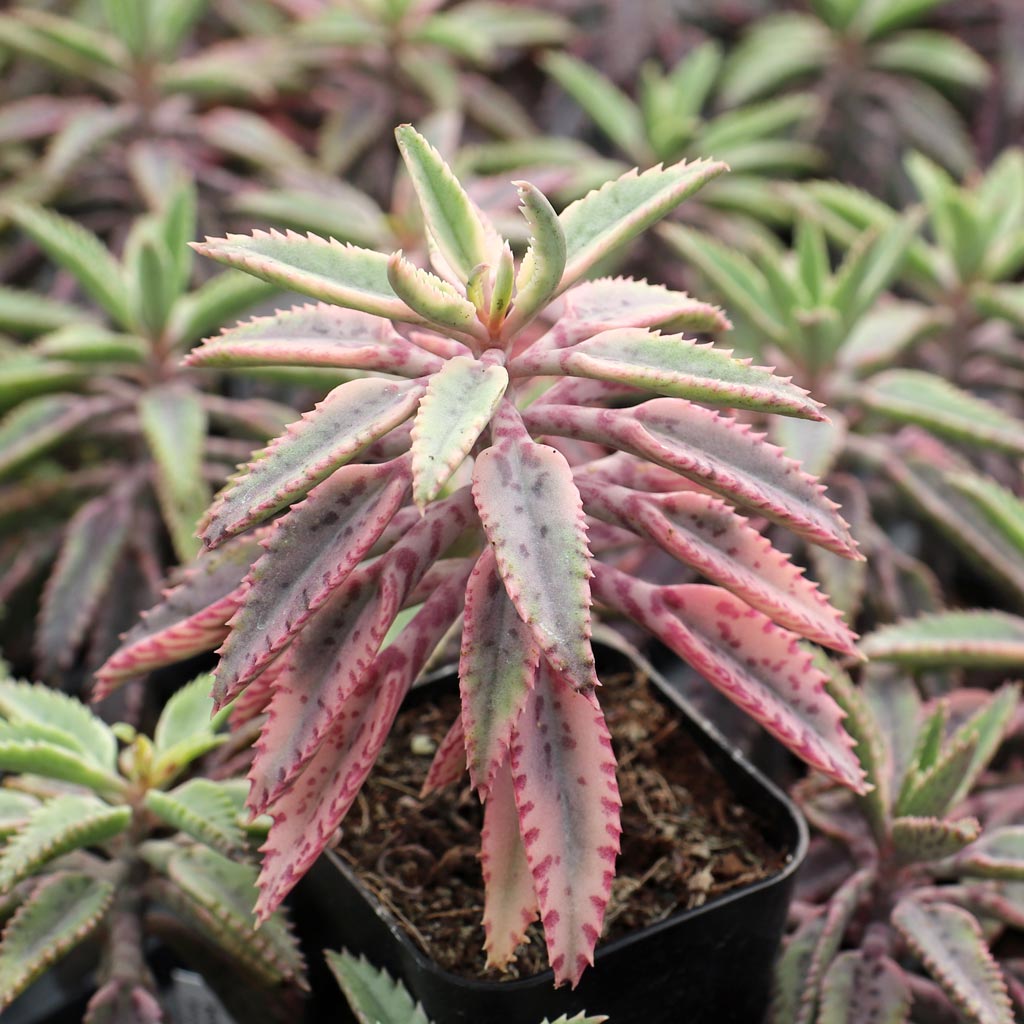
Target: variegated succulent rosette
(498,444)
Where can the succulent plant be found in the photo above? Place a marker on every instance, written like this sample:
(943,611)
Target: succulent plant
(909,891)
(498,531)
(140,57)
(864,58)
(377,999)
(100,840)
(106,446)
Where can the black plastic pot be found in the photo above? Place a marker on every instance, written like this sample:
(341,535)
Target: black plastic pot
(708,965)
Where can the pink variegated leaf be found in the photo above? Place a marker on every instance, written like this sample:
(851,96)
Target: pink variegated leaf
(720,453)
(308,554)
(625,470)
(192,617)
(316,335)
(510,902)
(346,421)
(949,942)
(343,275)
(253,701)
(306,816)
(863,989)
(610,302)
(563,773)
(672,365)
(456,408)
(742,653)
(330,657)
(438,344)
(582,391)
(706,534)
(449,761)
(533,518)
(497,667)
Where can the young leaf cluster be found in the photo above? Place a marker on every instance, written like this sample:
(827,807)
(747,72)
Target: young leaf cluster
(101,842)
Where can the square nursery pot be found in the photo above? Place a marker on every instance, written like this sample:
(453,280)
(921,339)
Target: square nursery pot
(707,965)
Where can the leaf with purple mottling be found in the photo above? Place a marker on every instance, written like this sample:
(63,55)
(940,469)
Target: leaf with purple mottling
(672,365)
(307,555)
(345,422)
(862,989)
(563,772)
(306,815)
(950,944)
(316,335)
(496,670)
(533,518)
(708,535)
(742,653)
(720,453)
(449,762)
(510,903)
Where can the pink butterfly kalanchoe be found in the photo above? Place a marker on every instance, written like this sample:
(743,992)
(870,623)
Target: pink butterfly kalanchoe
(451,479)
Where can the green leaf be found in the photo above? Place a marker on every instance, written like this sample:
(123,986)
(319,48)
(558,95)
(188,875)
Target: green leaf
(928,839)
(544,262)
(373,996)
(202,809)
(221,299)
(880,337)
(35,755)
(67,822)
(24,312)
(15,810)
(930,793)
(217,895)
(62,911)
(914,396)
(84,731)
(437,301)
(1000,508)
(90,343)
(879,17)
(776,51)
(187,728)
(1000,301)
(150,274)
(607,218)
(987,726)
(457,406)
(976,639)
(80,252)
(129,20)
(999,853)
(949,942)
(605,103)
(790,990)
(450,216)
(934,56)
(344,275)
(174,424)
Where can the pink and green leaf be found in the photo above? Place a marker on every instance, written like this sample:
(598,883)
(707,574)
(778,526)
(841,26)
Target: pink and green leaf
(456,408)
(449,761)
(343,275)
(950,944)
(308,554)
(916,839)
(542,266)
(717,452)
(316,335)
(999,853)
(497,667)
(307,814)
(612,215)
(433,298)
(510,903)
(563,773)
(191,619)
(709,536)
(675,366)
(533,518)
(977,639)
(351,417)
(753,662)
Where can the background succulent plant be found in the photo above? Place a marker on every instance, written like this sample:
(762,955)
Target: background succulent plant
(308,623)
(107,448)
(102,843)
(907,883)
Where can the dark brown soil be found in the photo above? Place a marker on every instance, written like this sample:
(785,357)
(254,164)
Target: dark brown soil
(685,839)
